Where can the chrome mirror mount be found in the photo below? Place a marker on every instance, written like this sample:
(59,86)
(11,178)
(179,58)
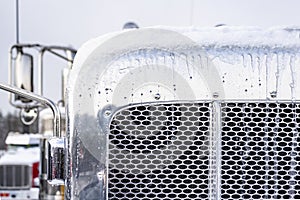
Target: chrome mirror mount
(56,145)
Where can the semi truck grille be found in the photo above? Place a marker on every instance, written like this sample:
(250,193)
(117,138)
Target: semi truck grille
(172,151)
(15,176)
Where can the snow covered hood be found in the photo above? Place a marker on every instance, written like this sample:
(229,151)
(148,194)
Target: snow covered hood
(22,139)
(261,62)
(287,37)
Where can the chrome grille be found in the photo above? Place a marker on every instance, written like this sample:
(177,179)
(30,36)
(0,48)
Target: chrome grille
(15,176)
(260,151)
(160,152)
(171,151)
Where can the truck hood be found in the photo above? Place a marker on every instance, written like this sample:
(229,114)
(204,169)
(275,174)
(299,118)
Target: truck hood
(21,156)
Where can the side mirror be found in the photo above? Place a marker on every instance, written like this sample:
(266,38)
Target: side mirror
(23,73)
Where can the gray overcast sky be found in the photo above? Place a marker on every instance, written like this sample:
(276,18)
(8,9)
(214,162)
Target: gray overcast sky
(72,22)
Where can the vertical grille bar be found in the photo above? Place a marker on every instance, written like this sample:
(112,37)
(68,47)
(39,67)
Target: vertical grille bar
(216,126)
(294,158)
(15,176)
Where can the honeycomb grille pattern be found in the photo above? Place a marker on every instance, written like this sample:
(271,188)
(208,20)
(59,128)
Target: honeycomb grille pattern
(160,151)
(260,151)
(170,151)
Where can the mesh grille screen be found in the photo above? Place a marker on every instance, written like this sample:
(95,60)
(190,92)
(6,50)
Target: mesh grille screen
(169,151)
(160,152)
(260,151)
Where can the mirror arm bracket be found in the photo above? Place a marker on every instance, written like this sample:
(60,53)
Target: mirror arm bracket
(40,99)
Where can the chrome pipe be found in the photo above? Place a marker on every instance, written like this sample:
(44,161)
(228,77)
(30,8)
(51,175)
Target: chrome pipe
(41,62)
(40,71)
(10,73)
(40,99)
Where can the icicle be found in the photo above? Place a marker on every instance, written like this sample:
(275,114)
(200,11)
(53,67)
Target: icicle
(259,66)
(156,58)
(151,59)
(172,56)
(268,65)
(157,96)
(164,59)
(192,63)
(186,58)
(244,58)
(280,68)
(200,61)
(252,62)
(138,61)
(292,69)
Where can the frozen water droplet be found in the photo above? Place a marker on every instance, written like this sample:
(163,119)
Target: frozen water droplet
(157,96)
(215,95)
(273,94)
(107,112)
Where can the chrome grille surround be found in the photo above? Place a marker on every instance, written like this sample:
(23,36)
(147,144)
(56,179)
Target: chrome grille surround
(172,151)
(15,177)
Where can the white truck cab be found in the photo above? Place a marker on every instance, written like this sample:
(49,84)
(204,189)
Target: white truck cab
(19,167)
